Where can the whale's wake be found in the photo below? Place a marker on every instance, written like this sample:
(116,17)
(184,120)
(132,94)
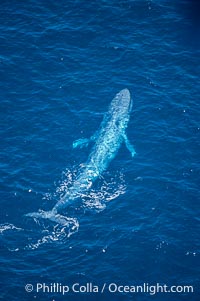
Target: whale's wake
(107,189)
(62,227)
(43,233)
(56,233)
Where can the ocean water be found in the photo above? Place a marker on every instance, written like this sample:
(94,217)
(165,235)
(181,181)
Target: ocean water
(62,62)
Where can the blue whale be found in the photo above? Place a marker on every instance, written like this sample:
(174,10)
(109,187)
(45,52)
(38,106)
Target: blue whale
(107,141)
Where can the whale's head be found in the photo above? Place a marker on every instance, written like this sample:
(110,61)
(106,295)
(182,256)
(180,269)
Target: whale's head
(121,107)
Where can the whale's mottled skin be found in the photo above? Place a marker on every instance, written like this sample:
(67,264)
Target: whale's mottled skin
(107,141)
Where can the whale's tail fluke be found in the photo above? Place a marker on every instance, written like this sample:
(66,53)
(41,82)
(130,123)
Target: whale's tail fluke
(53,216)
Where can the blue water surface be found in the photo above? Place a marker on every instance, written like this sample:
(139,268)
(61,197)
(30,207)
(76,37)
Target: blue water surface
(62,62)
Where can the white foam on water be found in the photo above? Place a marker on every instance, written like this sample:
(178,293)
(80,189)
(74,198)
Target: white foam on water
(56,233)
(110,189)
(107,188)
(8,227)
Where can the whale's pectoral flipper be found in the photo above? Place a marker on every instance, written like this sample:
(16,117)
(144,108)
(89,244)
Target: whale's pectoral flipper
(81,143)
(84,142)
(129,146)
